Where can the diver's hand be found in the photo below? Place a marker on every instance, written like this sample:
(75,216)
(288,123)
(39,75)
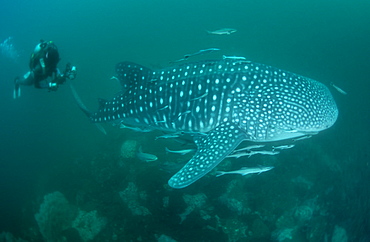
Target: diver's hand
(53,86)
(60,79)
(70,72)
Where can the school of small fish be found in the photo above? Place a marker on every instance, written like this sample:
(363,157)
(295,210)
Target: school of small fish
(223,31)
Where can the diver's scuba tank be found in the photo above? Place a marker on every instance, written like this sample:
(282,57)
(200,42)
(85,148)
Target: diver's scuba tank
(40,46)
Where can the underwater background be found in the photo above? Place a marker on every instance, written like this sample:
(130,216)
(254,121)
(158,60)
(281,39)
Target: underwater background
(63,180)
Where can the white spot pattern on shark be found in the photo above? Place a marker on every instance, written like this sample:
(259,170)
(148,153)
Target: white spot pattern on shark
(230,101)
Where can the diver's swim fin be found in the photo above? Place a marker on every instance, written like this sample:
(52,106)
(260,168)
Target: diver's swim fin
(17,89)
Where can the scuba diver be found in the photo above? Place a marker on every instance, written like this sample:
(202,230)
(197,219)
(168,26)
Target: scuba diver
(43,64)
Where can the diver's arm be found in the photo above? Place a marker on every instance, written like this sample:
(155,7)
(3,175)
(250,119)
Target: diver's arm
(42,64)
(43,84)
(46,83)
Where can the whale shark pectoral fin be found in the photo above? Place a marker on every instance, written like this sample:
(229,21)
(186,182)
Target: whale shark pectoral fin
(212,149)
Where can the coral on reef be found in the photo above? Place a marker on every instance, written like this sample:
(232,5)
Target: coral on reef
(131,197)
(303,213)
(128,149)
(196,201)
(233,205)
(165,238)
(283,234)
(9,237)
(55,216)
(88,224)
(339,234)
(235,229)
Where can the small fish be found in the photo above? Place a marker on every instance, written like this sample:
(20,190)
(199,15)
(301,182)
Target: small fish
(114,78)
(288,130)
(200,97)
(263,152)
(179,60)
(239,154)
(282,147)
(249,153)
(181,152)
(163,108)
(233,57)
(160,121)
(223,31)
(208,50)
(302,137)
(242,62)
(340,90)
(145,156)
(249,148)
(202,52)
(245,171)
(167,136)
(184,113)
(137,129)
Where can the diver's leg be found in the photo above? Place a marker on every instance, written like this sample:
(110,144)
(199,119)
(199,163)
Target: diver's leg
(27,79)
(17,89)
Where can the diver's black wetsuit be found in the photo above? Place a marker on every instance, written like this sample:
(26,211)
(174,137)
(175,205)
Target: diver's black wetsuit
(43,63)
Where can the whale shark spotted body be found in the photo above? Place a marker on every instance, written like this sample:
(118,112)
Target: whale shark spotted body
(220,103)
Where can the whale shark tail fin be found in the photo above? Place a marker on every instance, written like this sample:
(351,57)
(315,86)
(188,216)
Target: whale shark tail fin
(84,109)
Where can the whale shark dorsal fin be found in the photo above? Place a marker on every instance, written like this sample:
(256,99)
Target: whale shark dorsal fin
(130,74)
(212,149)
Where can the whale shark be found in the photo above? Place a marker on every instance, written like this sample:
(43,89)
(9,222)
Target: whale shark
(220,103)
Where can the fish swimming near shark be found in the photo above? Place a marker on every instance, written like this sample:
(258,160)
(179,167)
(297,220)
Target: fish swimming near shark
(220,103)
(233,57)
(246,171)
(224,31)
(252,152)
(340,90)
(200,52)
(181,152)
(145,156)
